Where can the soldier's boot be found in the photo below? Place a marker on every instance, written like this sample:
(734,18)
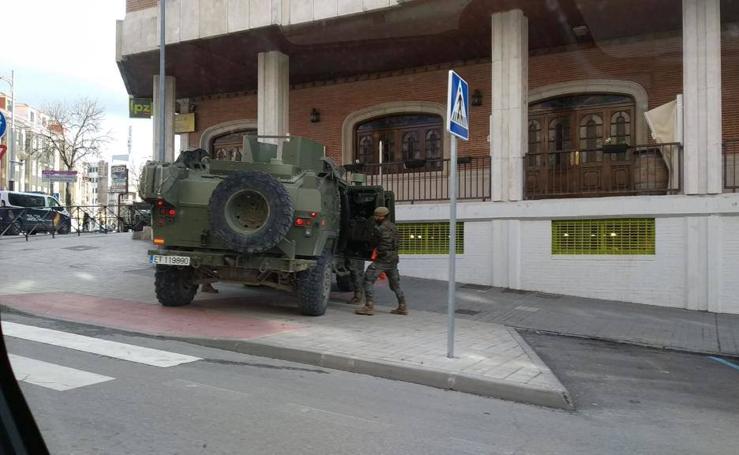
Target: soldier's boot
(367,310)
(358,298)
(402,308)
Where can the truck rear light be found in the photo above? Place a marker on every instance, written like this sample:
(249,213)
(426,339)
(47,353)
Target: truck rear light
(172,212)
(158,241)
(300,222)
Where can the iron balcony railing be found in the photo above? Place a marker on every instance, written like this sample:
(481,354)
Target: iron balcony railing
(610,171)
(428,180)
(731,166)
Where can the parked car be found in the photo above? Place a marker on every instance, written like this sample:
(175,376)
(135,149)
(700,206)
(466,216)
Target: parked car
(31,213)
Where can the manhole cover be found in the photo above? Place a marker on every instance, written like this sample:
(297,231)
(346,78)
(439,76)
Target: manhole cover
(467,312)
(80,248)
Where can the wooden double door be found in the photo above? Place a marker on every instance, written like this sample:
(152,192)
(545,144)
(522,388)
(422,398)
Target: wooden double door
(566,139)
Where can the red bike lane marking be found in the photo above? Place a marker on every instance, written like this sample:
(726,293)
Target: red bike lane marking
(194,321)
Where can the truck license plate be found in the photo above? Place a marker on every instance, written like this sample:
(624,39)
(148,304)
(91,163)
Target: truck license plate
(169,260)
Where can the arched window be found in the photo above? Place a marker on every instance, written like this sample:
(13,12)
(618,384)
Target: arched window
(591,132)
(433,144)
(229,146)
(365,150)
(403,137)
(621,127)
(411,149)
(559,135)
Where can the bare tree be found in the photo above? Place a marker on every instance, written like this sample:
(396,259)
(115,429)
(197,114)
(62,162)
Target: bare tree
(74,133)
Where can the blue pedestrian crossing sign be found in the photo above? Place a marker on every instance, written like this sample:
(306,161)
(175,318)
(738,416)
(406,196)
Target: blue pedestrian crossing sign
(458,107)
(3,124)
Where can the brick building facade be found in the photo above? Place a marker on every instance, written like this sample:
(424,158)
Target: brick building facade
(559,125)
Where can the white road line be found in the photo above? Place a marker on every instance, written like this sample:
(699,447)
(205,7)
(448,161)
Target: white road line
(52,376)
(122,351)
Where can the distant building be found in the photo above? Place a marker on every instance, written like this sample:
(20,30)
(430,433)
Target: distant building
(30,124)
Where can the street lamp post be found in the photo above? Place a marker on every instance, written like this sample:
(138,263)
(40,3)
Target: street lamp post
(11,136)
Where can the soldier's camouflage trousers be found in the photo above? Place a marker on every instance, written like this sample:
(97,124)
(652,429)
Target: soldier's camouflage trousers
(373,272)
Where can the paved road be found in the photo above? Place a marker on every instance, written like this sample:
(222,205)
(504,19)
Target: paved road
(632,400)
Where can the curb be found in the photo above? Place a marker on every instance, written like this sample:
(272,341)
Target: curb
(505,390)
(477,385)
(680,349)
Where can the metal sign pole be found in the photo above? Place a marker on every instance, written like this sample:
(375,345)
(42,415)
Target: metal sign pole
(452,246)
(162,86)
(11,183)
(458,108)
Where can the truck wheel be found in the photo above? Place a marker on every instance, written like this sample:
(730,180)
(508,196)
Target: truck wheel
(345,283)
(314,286)
(250,212)
(175,286)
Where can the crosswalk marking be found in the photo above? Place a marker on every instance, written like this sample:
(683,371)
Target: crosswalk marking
(114,349)
(52,376)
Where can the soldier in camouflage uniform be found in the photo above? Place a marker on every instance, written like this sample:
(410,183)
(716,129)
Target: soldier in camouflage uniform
(356,272)
(387,243)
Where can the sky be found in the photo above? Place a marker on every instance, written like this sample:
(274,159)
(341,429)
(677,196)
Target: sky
(65,50)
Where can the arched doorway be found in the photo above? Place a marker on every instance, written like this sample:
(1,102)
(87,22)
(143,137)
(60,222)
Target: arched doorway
(229,146)
(567,134)
(403,138)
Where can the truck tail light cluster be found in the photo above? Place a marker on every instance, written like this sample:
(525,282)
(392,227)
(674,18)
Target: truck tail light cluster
(306,221)
(165,213)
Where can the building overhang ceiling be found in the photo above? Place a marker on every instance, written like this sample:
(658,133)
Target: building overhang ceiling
(416,34)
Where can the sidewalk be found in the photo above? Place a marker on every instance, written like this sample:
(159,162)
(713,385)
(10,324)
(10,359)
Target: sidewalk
(105,281)
(647,325)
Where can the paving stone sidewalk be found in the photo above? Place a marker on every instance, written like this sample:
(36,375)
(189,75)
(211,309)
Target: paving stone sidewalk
(104,280)
(647,325)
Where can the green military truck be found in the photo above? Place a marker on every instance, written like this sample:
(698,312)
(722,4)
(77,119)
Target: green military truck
(283,216)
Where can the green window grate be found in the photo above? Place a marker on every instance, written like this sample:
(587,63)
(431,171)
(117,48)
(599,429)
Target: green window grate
(428,238)
(611,236)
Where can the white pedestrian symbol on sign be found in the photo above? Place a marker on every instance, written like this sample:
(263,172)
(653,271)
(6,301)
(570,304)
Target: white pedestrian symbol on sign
(459,113)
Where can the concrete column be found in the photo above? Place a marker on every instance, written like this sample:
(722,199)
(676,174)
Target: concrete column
(702,96)
(509,116)
(169,108)
(506,254)
(273,91)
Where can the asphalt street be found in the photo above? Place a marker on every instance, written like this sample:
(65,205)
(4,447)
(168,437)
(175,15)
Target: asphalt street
(630,401)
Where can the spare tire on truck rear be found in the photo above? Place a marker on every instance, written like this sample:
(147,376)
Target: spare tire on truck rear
(250,211)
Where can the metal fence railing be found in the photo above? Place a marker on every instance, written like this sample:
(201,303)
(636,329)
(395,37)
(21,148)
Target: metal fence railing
(730,174)
(610,171)
(76,219)
(428,180)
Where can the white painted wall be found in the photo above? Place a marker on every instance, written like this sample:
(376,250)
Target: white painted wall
(473,265)
(657,280)
(508,244)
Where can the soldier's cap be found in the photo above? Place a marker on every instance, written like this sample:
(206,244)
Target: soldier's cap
(382,211)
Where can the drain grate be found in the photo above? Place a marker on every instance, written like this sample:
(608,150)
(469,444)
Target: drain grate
(467,312)
(476,287)
(516,291)
(545,295)
(80,248)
